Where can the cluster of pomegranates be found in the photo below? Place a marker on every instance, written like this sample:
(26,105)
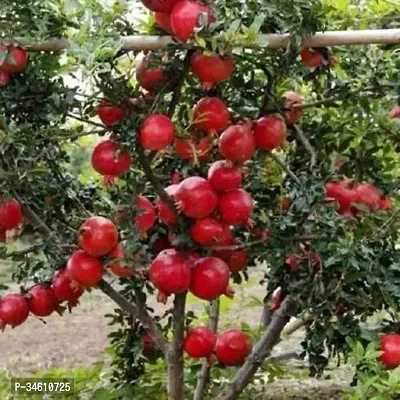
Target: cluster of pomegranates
(15,61)
(11,216)
(230,347)
(347,194)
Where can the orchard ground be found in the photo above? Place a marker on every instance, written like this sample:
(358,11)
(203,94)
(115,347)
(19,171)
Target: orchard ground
(79,339)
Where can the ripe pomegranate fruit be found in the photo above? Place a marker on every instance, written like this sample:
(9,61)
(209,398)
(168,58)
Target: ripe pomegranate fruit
(185,18)
(157,132)
(42,301)
(196,198)
(208,231)
(166,215)
(237,143)
(110,160)
(159,5)
(211,114)
(385,204)
(394,112)
(293,99)
(16,60)
(169,273)
(211,69)
(163,20)
(237,261)
(292,262)
(189,149)
(120,270)
(110,114)
(277,299)
(147,214)
(210,279)
(269,132)
(64,289)
(199,342)
(390,345)
(84,269)
(232,347)
(311,58)
(345,195)
(368,195)
(148,345)
(149,77)
(14,310)
(235,207)
(10,214)
(4,79)
(98,236)
(223,177)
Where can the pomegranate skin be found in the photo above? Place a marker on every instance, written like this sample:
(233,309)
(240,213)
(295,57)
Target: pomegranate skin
(169,272)
(199,342)
(10,214)
(98,236)
(157,132)
(4,80)
(237,261)
(110,115)
(189,149)
(368,195)
(20,57)
(185,18)
(14,310)
(211,69)
(166,215)
(163,20)
(42,301)
(311,58)
(63,288)
(84,269)
(160,5)
(390,345)
(149,77)
(232,347)
(116,267)
(293,99)
(224,178)
(148,345)
(208,231)
(235,207)
(237,144)
(196,198)
(269,132)
(211,114)
(147,214)
(210,278)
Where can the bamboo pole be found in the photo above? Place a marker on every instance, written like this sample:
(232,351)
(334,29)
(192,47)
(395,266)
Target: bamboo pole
(273,41)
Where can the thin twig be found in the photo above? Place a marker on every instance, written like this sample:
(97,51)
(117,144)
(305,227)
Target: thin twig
(285,167)
(86,121)
(307,145)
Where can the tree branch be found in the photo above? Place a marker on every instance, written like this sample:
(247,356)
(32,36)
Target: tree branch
(307,145)
(285,167)
(203,375)
(261,350)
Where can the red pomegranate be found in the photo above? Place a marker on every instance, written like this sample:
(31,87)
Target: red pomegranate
(390,345)
(84,269)
(4,79)
(293,99)
(19,59)
(149,77)
(345,195)
(292,262)
(385,203)
(110,160)
(163,20)
(14,310)
(237,261)
(169,273)
(189,149)
(208,231)
(210,279)
(211,69)
(227,239)
(223,178)
(211,114)
(159,5)
(117,266)
(42,301)
(157,132)
(185,18)
(10,214)
(199,342)
(148,345)
(277,299)
(311,58)
(147,214)
(98,236)
(237,143)
(232,347)
(284,203)
(394,112)
(369,195)
(269,132)
(235,207)
(196,198)
(166,215)
(64,289)
(110,114)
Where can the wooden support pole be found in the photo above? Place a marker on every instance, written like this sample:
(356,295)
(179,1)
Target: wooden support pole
(273,41)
